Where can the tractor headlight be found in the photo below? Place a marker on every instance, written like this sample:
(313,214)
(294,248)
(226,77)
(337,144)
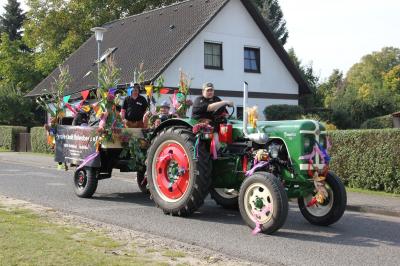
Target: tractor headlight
(307,143)
(274,151)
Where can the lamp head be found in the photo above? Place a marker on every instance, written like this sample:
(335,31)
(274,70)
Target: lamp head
(99,31)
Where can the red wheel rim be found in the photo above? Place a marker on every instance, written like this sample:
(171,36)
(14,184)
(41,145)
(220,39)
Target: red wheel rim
(171,171)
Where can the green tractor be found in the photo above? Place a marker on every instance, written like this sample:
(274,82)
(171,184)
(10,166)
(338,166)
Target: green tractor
(256,169)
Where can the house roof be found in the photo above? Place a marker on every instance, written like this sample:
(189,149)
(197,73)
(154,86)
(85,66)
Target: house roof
(165,33)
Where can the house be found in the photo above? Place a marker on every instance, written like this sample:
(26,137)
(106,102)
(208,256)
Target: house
(224,42)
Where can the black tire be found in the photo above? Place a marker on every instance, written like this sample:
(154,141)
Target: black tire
(226,201)
(85,182)
(198,177)
(333,208)
(142,182)
(275,194)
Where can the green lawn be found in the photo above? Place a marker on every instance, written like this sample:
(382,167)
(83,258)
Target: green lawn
(27,239)
(371,192)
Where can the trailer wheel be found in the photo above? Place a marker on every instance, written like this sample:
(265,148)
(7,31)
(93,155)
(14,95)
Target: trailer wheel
(141,180)
(226,198)
(263,202)
(85,182)
(332,209)
(178,182)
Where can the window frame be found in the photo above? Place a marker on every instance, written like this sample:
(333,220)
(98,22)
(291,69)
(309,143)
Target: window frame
(220,56)
(257,59)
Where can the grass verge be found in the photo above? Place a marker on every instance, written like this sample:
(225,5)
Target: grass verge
(371,192)
(28,239)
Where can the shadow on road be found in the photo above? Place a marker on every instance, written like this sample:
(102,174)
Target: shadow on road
(354,229)
(127,197)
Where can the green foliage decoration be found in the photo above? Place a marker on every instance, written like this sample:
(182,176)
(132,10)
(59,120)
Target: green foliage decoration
(367,159)
(8,136)
(283,112)
(39,140)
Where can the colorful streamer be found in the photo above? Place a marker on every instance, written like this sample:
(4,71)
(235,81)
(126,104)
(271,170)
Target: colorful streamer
(66,98)
(258,165)
(88,159)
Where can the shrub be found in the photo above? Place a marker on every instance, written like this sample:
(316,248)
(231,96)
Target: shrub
(385,121)
(283,112)
(367,159)
(8,136)
(39,140)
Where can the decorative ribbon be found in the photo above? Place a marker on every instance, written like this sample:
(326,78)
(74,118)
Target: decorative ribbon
(71,109)
(88,159)
(85,94)
(66,98)
(265,209)
(196,147)
(258,165)
(112,91)
(213,149)
(129,91)
(164,91)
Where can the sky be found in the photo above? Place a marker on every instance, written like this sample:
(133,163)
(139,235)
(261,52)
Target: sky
(335,34)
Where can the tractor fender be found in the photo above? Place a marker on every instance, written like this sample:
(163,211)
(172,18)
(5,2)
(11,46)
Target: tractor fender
(170,123)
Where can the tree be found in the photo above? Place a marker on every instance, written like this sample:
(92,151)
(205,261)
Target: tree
(56,28)
(312,100)
(370,89)
(15,109)
(12,20)
(273,15)
(16,68)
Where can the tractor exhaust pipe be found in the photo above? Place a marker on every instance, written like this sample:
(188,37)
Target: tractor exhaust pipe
(259,138)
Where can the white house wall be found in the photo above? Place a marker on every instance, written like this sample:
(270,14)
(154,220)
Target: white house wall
(235,29)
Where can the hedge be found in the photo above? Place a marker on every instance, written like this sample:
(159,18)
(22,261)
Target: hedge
(283,112)
(385,121)
(39,140)
(367,159)
(8,136)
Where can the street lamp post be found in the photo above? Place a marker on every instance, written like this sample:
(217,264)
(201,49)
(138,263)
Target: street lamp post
(98,31)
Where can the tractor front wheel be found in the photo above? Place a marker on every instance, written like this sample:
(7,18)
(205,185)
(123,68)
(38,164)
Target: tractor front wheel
(178,180)
(333,207)
(263,202)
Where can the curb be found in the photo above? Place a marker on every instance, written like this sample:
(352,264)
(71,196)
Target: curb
(373,210)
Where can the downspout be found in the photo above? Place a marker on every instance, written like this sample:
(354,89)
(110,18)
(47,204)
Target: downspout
(259,138)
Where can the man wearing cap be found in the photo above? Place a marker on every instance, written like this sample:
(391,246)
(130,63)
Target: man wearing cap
(161,116)
(204,106)
(134,108)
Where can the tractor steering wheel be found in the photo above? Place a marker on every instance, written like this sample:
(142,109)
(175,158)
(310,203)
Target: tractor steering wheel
(222,112)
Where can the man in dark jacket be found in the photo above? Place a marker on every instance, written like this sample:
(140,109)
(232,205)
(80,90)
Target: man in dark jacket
(204,106)
(134,108)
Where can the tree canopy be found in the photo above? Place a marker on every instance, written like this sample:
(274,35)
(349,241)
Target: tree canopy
(273,15)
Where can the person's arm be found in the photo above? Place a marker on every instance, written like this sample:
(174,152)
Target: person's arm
(215,106)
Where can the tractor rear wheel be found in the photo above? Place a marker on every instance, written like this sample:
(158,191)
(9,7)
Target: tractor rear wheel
(263,202)
(178,181)
(332,209)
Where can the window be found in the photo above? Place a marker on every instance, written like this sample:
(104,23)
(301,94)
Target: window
(213,55)
(252,60)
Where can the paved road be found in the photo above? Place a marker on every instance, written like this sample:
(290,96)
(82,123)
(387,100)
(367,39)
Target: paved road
(357,239)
